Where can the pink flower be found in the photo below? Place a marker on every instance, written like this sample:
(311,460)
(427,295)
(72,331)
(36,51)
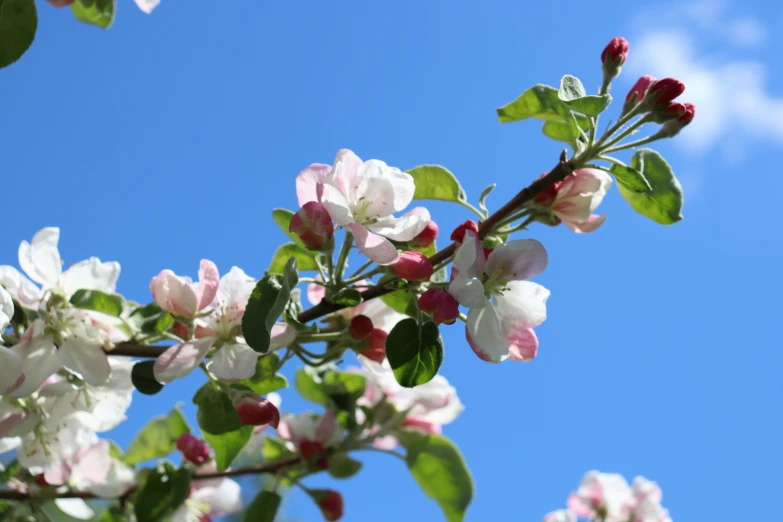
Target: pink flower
(604,493)
(313,225)
(663,92)
(413,266)
(561,515)
(180,296)
(310,434)
(617,49)
(375,349)
(637,92)
(576,197)
(688,115)
(193,449)
(330,502)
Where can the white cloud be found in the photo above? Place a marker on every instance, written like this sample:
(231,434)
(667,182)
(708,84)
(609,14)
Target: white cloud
(731,96)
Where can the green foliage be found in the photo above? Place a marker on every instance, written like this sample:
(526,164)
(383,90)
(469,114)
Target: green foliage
(97,301)
(573,93)
(157,439)
(228,445)
(344,296)
(18,23)
(143,378)
(540,101)
(163,490)
(663,203)
(266,304)
(341,389)
(151,319)
(264,507)
(440,471)
(401,301)
(275,449)
(10,471)
(414,352)
(571,88)
(342,466)
(307,386)
(630,178)
(304,258)
(282,218)
(265,380)
(216,413)
(95,12)
(436,182)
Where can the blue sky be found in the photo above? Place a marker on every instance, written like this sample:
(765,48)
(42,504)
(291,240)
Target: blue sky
(172,136)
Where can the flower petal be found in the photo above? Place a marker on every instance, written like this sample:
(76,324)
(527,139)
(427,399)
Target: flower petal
(39,361)
(309,183)
(11,376)
(377,248)
(85,358)
(20,288)
(592,223)
(345,176)
(147,6)
(41,259)
(385,189)
(468,291)
(315,293)
(337,206)
(469,260)
(281,336)
(91,274)
(485,334)
(516,260)
(522,305)
(208,282)
(233,362)
(404,228)
(6,309)
(75,508)
(523,345)
(179,360)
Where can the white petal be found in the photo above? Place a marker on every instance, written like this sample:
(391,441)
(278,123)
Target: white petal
(282,335)
(235,289)
(224,499)
(382,315)
(85,358)
(10,370)
(39,361)
(485,334)
(147,5)
(468,291)
(41,259)
(17,424)
(6,309)
(75,507)
(389,189)
(20,288)
(523,305)
(336,205)
(404,228)
(179,360)
(233,362)
(91,275)
(469,260)
(309,183)
(377,248)
(518,259)
(344,176)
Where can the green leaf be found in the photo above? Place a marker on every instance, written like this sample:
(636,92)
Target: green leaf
(440,471)
(308,388)
(228,445)
(157,439)
(216,413)
(571,88)
(401,301)
(275,449)
(415,353)
(18,23)
(151,319)
(263,508)
(630,178)
(265,380)
(10,471)
(346,296)
(591,105)
(483,198)
(561,131)
(540,101)
(343,466)
(663,203)
(109,304)
(143,378)
(436,182)
(304,258)
(164,489)
(95,12)
(283,217)
(266,304)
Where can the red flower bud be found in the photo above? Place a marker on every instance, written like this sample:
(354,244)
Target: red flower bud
(41,481)
(426,236)
(413,266)
(639,89)
(193,449)
(616,50)
(360,327)
(675,109)
(459,233)
(60,3)
(330,502)
(375,350)
(311,451)
(257,411)
(313,225)
(180,330)
(662,92)
(440,304)
(690,113)
(548,195)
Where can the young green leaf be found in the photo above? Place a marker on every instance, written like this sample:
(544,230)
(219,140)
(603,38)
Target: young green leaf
(630,178)
(266,304)
(163,490)
(540,101)
(591,105)
(109,304)
(265,379)
(663,203)
(483,198)
(18,23)
(95,12)
(216,413)
(343,466)
(345,296)
(436,182)
(157,439)
(143,378)
(440,471)
(304,258)
(571,88)
(228,445)
(283,217)
(415,353)
(309,388)
(151,319)
(263,508)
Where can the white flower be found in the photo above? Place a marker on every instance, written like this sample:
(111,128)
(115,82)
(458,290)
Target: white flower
(606,493)
(309,427)
(179,295)
(363,196)
(209,497)
(503,306)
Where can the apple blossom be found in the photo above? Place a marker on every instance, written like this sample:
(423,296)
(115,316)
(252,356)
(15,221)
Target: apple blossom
(375,346)
(413,266)
(147,6)
(256,441)
(180,296)
(363,196)
(193,449)
(92,469)
(440,304)
(662,92)
(308,433)
(637,93)
(313,225)
(504,307)
(601,494)
(616,50)
(210,497)
(360,327)
(254,410)
(11,376)
(330,502)
(383,317)
(561,515)
(427,236)
(458,234)
(574,199)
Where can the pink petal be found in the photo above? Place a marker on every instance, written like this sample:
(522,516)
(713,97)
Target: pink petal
(180,359)
(315,293)
(517,260)
(578,506)
(327,427)
(592,223)
(208,282)
(523,345)
(309,183)
(336,204)
(404,228)
(377,248)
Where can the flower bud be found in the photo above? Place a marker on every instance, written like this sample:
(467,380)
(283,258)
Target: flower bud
(663,92)
(360,327)
(616,50)
(330,502)
(180,330)
(688,115)
(413,266)
(637,92)
(315,452)
(440,304)
(61,3)
(672,128)
(254,410)
(426,236)
(459,233)
(313,225)
(665,113)
(375,349)
(548,195)
(193,449)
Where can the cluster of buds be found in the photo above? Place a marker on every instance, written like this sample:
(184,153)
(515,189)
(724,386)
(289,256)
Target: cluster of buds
(657,97)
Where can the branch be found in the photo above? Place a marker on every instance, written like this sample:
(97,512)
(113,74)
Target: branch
(271,468)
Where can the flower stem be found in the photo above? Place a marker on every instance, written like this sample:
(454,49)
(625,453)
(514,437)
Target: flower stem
(629,145)
(355,278)
(476,211)
(342,258)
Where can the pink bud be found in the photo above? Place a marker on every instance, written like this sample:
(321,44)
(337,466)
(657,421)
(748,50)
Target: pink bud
(426,236)
(360,327)
(313,225)
(314,452)
(639,89)
(330,502)
(616,50)
(548,195)
(180,330)
(665,91)
(440,304)
(193,449)
(60,3)
(257,411)
(690,113)
(375,350)
(413,266)
(459,233)
(675,109)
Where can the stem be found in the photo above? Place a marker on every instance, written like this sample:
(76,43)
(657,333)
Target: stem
(593,122)
(339,268)
(521,226)
(614,128)
(638,123)
(472,208)
(629,145)
(463,318)
(319,337)
(514,217)
(355,278)
(361,269)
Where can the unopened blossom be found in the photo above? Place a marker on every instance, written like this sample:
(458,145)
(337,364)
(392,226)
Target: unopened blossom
(616,50)
(504,307)
(311,435)
(330,502)
(254,410)
(375,346)
(209,498)
(440,304)
(313,224)
(179,295)
(193,449)
(637,92)
(672,128)
(413,266)
(663,92)
(234,360)
(363,197)
(256,441)
(574,199)
(61,3)
(360,327)
(427,236)
(458,234)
